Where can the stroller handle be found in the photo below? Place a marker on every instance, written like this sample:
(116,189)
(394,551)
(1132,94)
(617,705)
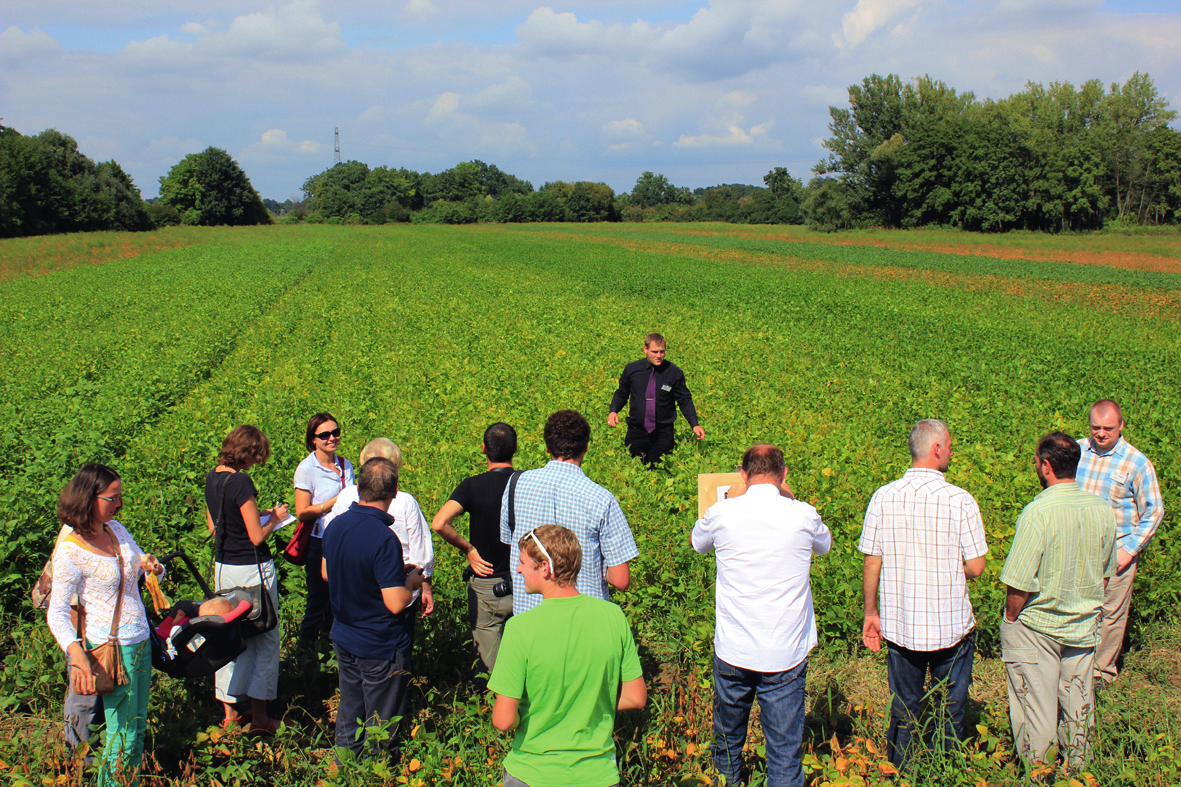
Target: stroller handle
(192,569)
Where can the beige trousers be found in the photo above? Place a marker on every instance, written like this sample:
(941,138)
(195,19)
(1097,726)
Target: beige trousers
(1117,600)
(1050,693)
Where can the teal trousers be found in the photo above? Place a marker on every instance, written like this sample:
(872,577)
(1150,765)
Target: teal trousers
(126,710)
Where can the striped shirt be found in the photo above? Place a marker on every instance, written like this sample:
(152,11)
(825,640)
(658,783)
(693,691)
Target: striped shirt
(561,494)
(923,529)
(1127,480)
(1063,548)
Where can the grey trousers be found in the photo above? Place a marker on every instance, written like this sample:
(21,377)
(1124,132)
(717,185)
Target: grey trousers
(487,615)
(80,711)
(1050,693)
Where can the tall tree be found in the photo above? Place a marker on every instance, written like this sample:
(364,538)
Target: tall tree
(210,189)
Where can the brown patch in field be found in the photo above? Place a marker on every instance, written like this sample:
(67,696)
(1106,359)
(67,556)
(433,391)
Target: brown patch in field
(1128,301)
(59,253)
(1127,260)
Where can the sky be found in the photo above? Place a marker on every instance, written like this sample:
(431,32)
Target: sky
(710,93)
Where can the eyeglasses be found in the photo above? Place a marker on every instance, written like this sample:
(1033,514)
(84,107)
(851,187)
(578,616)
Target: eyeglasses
(325,435)
(111,499)
(536,540)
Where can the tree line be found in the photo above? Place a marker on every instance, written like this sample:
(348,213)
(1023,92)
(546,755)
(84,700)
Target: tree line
(902,154)
(1047,158)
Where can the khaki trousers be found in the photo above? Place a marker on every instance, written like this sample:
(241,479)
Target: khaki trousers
(1117,600)
(1050,693)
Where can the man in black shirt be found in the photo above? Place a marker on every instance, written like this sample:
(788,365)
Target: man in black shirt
(488,558)
(653,385)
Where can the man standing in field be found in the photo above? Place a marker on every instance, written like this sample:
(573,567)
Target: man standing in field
(1121,475)
(653,385)
(763,543)
(369,589)
(565,668)
(561,494)
(1057,568)
(923,539)
(488,558)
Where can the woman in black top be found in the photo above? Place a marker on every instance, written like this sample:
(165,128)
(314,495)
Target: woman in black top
(242,554)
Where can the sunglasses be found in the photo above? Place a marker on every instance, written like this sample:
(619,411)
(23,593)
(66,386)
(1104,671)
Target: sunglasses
(325,435)
(536,540)
(111,499)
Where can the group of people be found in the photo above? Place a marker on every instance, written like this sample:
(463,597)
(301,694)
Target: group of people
(545,547)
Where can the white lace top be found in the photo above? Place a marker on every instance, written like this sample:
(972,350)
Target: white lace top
(94,577)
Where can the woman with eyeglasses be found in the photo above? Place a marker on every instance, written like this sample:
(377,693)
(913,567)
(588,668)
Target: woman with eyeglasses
(89,563)
(319,478)
(242,558)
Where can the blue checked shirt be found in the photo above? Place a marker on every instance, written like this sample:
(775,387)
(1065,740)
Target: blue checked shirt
(1125,478)
(561,494)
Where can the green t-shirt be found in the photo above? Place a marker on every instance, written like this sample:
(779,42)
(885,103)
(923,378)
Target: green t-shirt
(564,660)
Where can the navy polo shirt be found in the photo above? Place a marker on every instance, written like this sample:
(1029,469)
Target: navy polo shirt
(363,556)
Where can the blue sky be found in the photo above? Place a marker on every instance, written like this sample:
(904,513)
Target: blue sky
(704,93)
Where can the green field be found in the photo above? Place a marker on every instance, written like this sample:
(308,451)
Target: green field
(426,334)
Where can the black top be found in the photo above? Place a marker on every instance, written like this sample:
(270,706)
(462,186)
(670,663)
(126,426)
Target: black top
(480,496)
(670,387)
(236,548)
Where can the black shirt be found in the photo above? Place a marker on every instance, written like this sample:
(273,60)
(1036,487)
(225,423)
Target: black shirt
(236,547)
(670,388)
(480,497)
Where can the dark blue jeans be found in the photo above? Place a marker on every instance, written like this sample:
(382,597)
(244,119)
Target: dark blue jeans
(317,615)
(374,691)
(951,675)
(781,705)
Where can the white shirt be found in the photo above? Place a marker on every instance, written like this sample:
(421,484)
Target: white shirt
(410,526)
(763,544)
(923,529)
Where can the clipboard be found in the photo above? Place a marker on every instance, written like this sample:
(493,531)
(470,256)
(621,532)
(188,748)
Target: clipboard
(712,487)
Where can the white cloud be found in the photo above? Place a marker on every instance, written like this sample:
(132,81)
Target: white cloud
(276,141)
(17,46)
(512,94)
(293,31)
(868,17)
(160,49)
(446,106)
(420,10)
(626,128)
(194,28)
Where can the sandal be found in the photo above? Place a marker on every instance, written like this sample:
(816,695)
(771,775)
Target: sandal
(242,720)
(269,728)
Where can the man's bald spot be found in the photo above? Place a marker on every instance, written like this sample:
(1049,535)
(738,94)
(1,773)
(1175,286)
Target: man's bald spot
(1104,407)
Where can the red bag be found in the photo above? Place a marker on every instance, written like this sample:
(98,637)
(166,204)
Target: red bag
(296,550)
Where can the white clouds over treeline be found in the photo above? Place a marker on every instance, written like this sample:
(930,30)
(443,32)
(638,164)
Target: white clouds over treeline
(710,93)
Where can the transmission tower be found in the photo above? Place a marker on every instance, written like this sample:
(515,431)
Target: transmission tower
(336,148)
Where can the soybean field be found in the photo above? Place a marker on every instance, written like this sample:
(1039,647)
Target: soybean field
(142,352)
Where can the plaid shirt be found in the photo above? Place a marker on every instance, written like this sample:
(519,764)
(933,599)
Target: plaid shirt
(561,494)
(1125,478)
(923,529)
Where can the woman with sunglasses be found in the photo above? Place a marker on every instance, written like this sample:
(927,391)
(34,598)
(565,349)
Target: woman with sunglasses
(89,563)
(319,478)
(243,559)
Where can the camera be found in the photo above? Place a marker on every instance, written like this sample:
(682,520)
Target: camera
(503,588)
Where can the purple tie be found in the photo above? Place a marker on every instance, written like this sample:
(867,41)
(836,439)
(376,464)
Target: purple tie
(650,404)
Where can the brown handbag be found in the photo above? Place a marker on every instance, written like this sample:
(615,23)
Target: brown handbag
(106,660)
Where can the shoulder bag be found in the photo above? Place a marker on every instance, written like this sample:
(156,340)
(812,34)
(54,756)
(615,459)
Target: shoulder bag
(296,551)
(263,616)
(106,661)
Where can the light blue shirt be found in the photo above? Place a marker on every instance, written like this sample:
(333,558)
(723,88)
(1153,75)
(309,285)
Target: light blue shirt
(561,494)
(324,484)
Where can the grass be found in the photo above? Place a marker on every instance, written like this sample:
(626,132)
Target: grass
(426,334)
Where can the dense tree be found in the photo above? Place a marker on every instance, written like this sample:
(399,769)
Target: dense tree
(47,185)
(1049,157)
(210,189)
(652,190)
